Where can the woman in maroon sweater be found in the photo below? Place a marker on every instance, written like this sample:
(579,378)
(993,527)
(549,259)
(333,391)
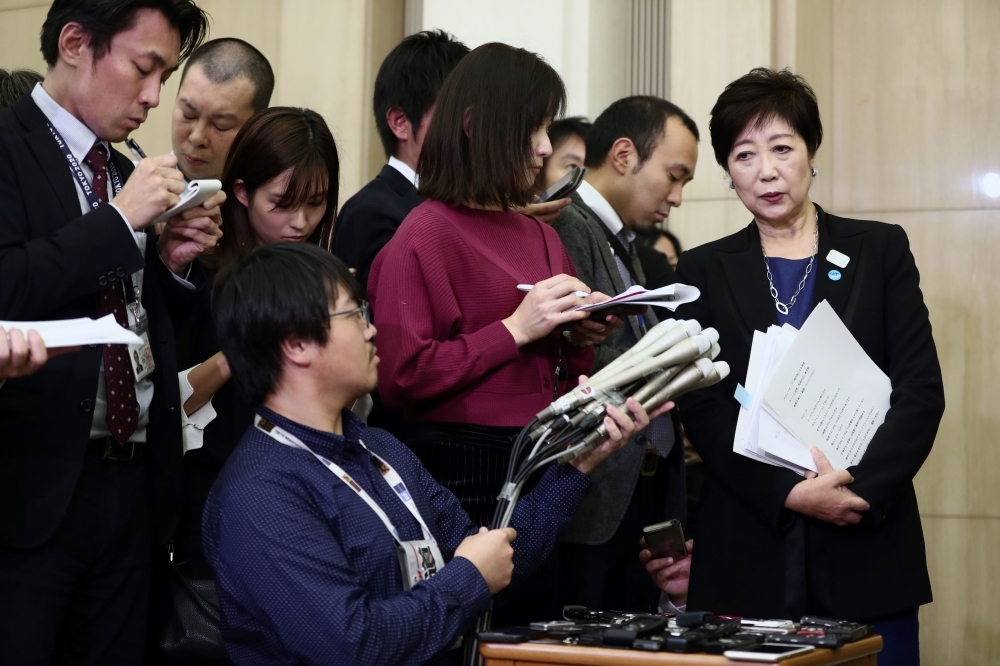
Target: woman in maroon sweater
(468,357)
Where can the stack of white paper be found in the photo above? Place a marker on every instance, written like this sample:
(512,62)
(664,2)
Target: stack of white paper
(77,332)
(672,296)
(814,387)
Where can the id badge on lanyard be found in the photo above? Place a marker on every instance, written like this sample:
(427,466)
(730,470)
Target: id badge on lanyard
(141,355)
(419,559)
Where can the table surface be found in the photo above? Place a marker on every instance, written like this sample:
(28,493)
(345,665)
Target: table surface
(540,653)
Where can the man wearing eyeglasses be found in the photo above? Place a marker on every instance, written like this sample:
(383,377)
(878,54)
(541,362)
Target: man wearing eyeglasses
(330,542)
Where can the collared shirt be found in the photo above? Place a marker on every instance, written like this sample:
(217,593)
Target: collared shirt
(306,572)
(404,168)
(80,139)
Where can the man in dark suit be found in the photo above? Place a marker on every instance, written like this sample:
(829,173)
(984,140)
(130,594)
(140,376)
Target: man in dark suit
(91,456)
(405,90)
(641,151)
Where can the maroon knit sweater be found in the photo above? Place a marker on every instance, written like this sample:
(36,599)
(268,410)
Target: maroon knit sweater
(439,290)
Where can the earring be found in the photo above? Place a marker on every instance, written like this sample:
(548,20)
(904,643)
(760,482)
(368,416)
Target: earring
(815,172)
(732,186)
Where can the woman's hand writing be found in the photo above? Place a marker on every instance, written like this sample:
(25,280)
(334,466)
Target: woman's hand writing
(546,307)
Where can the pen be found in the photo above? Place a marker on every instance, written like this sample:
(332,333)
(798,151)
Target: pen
(527,287)
(135,149)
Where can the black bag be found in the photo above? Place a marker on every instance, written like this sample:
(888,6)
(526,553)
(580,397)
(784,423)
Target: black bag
(189,632)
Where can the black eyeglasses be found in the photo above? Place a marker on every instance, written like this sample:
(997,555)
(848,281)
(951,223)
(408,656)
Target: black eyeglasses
(363,312)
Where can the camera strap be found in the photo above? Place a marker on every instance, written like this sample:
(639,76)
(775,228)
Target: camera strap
(418,559)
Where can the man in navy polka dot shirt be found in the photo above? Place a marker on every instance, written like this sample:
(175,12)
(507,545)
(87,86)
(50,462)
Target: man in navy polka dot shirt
(303,523)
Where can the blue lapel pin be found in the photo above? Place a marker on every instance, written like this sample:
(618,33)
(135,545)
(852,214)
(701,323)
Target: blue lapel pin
(834,275)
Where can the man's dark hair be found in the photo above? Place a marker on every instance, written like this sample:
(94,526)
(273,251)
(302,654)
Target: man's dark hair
(224,59)
(755,99)
(410,77)
(103,19)
(641,119)
(478,147)
(561,129)
(15,84)
(276,293)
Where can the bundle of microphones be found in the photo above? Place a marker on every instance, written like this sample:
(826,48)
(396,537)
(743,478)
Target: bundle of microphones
(673,358)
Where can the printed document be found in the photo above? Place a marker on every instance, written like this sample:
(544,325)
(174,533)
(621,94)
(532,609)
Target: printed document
(827,392)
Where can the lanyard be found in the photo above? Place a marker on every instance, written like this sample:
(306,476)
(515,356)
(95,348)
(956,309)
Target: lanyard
(388,473)
(131,293)
(81,178)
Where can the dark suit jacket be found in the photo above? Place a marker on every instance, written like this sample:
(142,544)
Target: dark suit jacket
(581,231)
(746,538)
(54,261)
(370,218)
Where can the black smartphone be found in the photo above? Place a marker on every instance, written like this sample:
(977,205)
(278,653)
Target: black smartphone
(666,539)
(563,187)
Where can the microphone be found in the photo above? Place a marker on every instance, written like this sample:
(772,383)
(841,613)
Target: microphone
(661,341)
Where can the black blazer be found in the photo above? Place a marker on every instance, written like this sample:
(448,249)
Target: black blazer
(754,557)
(53,263)
(369,219)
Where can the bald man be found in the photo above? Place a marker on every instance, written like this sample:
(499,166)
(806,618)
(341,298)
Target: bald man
(224,83)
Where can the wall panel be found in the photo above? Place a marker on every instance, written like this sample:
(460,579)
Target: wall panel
(960,628)
(712,43)
(916,103)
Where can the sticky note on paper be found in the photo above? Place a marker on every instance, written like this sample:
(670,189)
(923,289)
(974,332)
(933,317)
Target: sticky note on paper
(743,397)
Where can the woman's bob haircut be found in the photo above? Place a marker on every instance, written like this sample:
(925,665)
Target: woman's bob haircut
(273,141)
(757,98)
(478,146)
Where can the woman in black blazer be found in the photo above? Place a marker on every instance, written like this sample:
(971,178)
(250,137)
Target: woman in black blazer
(845,544)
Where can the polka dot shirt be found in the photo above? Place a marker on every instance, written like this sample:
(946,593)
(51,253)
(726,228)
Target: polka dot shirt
(307,573)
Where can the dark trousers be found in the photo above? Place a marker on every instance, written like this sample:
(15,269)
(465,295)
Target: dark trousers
(900,638)
(609,576)
(471,461)
(82,597)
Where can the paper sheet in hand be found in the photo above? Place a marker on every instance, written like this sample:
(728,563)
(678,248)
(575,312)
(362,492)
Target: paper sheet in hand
(77,332)
(758,435)
(195,194)
(827,392)
(671,297)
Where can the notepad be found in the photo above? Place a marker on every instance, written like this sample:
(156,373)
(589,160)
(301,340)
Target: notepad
(77,332)
(195,194)
(671,297)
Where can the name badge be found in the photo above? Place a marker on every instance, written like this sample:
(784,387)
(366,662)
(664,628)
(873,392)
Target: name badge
(838,259)
(141,356)
(418,561)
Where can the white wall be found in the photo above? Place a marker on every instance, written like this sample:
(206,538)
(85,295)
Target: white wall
(572,35)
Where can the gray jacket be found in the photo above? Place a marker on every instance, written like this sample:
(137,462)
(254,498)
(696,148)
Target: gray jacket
(581,231)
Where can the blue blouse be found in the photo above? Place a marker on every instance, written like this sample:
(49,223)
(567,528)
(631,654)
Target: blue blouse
(787,273)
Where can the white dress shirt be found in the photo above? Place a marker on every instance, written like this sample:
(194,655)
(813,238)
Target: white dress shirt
(80,139)
(404,168)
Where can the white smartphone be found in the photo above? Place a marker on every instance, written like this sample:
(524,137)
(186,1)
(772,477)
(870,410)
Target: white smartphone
(197,191)
(768,652)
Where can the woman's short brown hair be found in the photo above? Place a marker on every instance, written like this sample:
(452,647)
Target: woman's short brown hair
(478,146)
(271,142)
(756,99)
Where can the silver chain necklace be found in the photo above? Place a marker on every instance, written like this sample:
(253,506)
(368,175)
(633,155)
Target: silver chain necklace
(782,307)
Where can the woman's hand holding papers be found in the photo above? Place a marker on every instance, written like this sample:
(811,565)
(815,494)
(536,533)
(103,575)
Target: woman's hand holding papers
(590,331)
(826,495)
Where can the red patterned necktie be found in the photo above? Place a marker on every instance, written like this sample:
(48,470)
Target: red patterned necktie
(123,408)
